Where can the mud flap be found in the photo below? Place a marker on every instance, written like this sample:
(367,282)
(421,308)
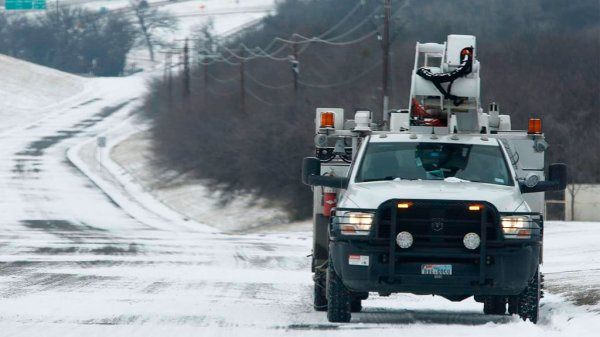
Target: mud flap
(320,242)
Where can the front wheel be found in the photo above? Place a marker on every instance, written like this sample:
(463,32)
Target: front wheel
(338,297)
(529,299)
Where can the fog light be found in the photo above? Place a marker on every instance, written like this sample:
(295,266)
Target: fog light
(471,240)
(404,240)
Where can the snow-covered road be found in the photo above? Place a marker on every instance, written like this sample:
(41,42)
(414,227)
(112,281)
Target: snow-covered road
(72,260)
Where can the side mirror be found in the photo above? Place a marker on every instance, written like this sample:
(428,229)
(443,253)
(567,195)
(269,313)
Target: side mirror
(557,180)
(311,175)
(558,174)
(311,166)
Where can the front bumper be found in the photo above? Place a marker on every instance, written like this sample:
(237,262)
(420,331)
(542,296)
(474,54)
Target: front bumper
(506,272)
(499,266)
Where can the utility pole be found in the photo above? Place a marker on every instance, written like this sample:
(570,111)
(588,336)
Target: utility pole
(386,57)
(205,73)
(186,71)
(169,64)
(242,82)
(165,69)
(203,65)
(295,66)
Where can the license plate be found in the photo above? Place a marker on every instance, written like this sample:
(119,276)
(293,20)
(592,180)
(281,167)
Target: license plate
(436,269)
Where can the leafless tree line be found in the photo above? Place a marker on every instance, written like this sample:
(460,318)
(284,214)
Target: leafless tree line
(84,41)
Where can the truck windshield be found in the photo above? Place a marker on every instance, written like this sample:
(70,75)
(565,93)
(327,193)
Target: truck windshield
(434,161)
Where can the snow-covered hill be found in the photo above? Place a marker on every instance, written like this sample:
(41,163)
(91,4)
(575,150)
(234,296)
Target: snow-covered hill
(27,90)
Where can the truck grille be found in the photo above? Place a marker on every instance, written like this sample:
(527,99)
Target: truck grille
(437,223)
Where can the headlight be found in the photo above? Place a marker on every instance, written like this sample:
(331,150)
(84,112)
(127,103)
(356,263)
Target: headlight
(356,223)
(516,227)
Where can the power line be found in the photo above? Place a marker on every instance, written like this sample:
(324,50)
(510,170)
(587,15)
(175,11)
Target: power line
(344,82)
(235,55)
(239,56)
(222,59)
(328,42)
(256,97)
(305,41)
(261,54)
(330,30)
(288,85)
(358,26)
(331,41)
(303,83)
(218,93)
(216,59)
(264,53)
(341,22)
(220,80)
(268,86)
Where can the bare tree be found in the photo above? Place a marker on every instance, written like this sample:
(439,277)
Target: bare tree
(151,22)
(204,39)
(573,190)
(581,162)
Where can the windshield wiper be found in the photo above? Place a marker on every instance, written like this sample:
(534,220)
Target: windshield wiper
(388,178)
(379,179)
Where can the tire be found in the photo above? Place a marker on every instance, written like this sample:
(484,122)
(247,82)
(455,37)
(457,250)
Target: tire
(494,305)
(320,291)
(355,305)
(338,298)
(529,299)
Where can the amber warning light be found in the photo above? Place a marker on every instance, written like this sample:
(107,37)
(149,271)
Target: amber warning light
(327,119)
(535,126)
(475,208)
(404,205)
